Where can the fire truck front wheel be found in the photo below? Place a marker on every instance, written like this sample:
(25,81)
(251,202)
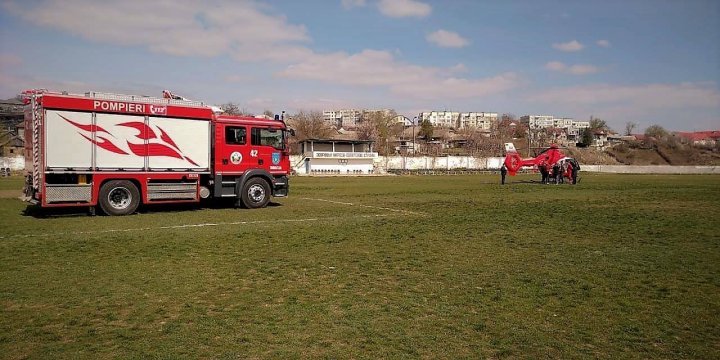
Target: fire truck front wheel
(255,193)
(119,197)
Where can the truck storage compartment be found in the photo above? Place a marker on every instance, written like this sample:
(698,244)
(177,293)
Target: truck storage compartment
(69,140)
(58,193)
(159,191)
(121,142)
(178,144)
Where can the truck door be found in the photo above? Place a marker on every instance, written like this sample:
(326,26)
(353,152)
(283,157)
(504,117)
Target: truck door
(267,145)
(232,149)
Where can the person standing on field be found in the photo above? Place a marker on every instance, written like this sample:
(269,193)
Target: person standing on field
(574,172)
(543,167)
(556,173)
(503,172)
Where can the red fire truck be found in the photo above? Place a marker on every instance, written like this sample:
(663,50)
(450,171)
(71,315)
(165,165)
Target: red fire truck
(118,151)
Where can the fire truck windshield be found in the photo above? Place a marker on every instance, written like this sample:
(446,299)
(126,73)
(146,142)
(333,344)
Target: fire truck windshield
(269,137)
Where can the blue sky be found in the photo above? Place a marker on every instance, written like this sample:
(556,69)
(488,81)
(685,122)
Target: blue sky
(649,62)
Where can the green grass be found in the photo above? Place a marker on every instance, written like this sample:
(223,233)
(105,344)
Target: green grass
(616,267)
(12,183)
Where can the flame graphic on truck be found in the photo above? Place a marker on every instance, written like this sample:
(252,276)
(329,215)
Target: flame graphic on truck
(163,145)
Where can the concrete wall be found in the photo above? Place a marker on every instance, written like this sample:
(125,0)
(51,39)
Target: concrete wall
(15,163)
(349,166)
(383,164)
(437,163)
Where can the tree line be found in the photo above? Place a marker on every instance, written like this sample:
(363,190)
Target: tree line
(385,131)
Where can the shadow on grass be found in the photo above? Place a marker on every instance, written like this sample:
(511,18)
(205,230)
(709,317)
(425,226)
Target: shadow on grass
(539,182)
(39,212)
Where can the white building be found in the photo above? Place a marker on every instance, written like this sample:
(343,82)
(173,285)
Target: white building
(538,121)
(350,118)
(479,120)
(458,120)
(581,124)
(400,119)
(335,157)
(562,123)
(448,119)
(370,112)
(344,118)
(549,121)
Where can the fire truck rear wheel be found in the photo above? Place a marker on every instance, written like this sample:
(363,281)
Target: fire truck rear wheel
(255,193)
(119,197)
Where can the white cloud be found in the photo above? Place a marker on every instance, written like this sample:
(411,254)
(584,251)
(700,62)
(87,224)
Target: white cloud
(321,103)
(349,4)
(681,106)
(556,66)
(404,8)
(454,88)
(573,69)
(650,96)
(582,69)
(11,84)
(603,43)
(381,69)
(444,38)
(459,68)
(261,103)
(244,29)
(569,46)
(236,78)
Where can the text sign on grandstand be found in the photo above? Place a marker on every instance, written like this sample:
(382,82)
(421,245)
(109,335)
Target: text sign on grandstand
(344,155)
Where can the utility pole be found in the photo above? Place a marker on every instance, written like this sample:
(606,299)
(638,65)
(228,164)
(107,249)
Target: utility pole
(529,140)
(413,133)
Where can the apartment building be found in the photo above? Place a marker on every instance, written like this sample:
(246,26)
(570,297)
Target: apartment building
(440,118)
(460,120)
(478,120)
(549,121)
(538,121)
(581,124)
(350,118)
(344,118)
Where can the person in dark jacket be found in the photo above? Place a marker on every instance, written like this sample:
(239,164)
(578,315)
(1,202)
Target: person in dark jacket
(574,172)
(503,172)
(544,171)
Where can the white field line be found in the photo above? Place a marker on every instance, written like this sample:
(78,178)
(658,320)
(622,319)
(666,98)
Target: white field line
(368,206)
(185,226)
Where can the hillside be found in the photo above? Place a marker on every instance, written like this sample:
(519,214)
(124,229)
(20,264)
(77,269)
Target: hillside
(649,154)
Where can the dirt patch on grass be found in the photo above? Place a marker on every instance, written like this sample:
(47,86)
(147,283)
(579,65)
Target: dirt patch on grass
(6,194)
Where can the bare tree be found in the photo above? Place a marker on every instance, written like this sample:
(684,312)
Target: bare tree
(367,131)
(269,113)
(380,127)
(426,129)
(656,131)
(508,117)
(231,108)
(475,141)
(598,124)
(630,127)
(309,125)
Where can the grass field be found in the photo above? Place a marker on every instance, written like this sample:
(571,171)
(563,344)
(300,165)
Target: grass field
(382,267)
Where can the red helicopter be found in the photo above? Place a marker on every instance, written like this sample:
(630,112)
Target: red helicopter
(552,163)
